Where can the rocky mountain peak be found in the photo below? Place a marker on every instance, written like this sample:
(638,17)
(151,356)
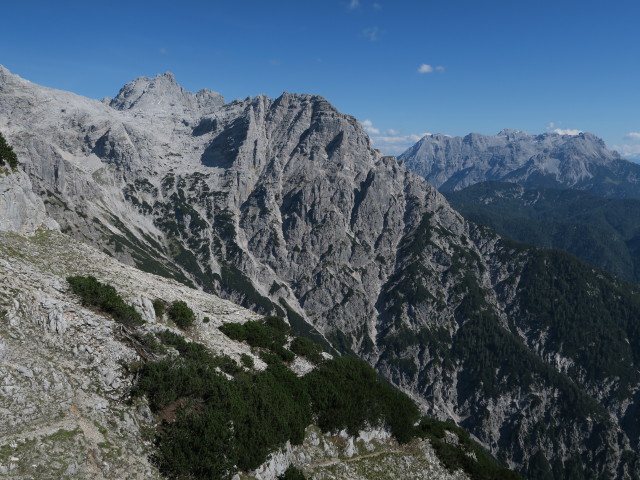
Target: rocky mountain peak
(511,133)
(7,77)
(163,93)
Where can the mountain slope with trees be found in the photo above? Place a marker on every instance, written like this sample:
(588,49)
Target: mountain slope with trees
(603,232)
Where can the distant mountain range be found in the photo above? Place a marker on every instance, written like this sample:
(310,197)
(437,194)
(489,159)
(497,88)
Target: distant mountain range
(548,160)
(283,205)
(555,191)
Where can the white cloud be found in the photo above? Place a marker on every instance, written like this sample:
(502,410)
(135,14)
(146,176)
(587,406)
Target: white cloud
(369,128)
(552,128)
(426,68)
(371,33)
(629,151)
(354,4)
(633,135)
(567,131)
(163,51)
(391,142)
(376,6)
(395,144)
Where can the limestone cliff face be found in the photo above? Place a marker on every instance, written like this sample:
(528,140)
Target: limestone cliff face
(284,206)
(21,210)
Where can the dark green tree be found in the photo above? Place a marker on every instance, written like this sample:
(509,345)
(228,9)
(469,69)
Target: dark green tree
(7,155)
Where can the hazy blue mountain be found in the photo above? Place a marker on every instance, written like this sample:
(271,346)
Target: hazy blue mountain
(548,160)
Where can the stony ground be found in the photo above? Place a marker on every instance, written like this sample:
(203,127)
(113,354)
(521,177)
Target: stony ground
(64,405)
(373,455)
(65,409)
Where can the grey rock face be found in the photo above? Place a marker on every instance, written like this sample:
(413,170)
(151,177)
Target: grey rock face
(21,210)
(283,205)
(548,160)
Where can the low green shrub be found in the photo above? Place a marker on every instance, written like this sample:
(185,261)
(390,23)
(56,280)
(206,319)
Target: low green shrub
(292,473)
(467,455)
(269,333)
(181,314)
(159,308)
(105,298)
(347,393)
(307,348)
(223,424)
(7,155)
(247,361)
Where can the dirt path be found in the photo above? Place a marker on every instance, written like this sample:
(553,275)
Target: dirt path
(93,437)
(335,460)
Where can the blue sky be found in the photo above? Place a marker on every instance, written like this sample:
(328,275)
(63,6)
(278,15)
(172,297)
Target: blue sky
(403,68)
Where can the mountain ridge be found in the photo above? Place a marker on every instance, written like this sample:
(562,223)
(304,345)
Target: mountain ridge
(284,205)
(548,160)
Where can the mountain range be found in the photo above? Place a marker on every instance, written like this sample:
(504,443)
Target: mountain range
(283,206)
(548,160)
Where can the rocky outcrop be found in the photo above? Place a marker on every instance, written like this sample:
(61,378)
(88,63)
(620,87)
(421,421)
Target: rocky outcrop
(372,453)
(21,210)
(579,161)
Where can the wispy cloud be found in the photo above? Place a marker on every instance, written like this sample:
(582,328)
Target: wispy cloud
(552,127)
(354,4)
(426,68)
(567,131)
(369,128)
(632,151)
(371,34)
(629,151)
(164,51)
(391,141)
(396,144)
(376,6)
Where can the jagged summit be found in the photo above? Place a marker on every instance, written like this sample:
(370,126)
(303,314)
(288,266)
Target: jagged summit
(551,159)
(163,93)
